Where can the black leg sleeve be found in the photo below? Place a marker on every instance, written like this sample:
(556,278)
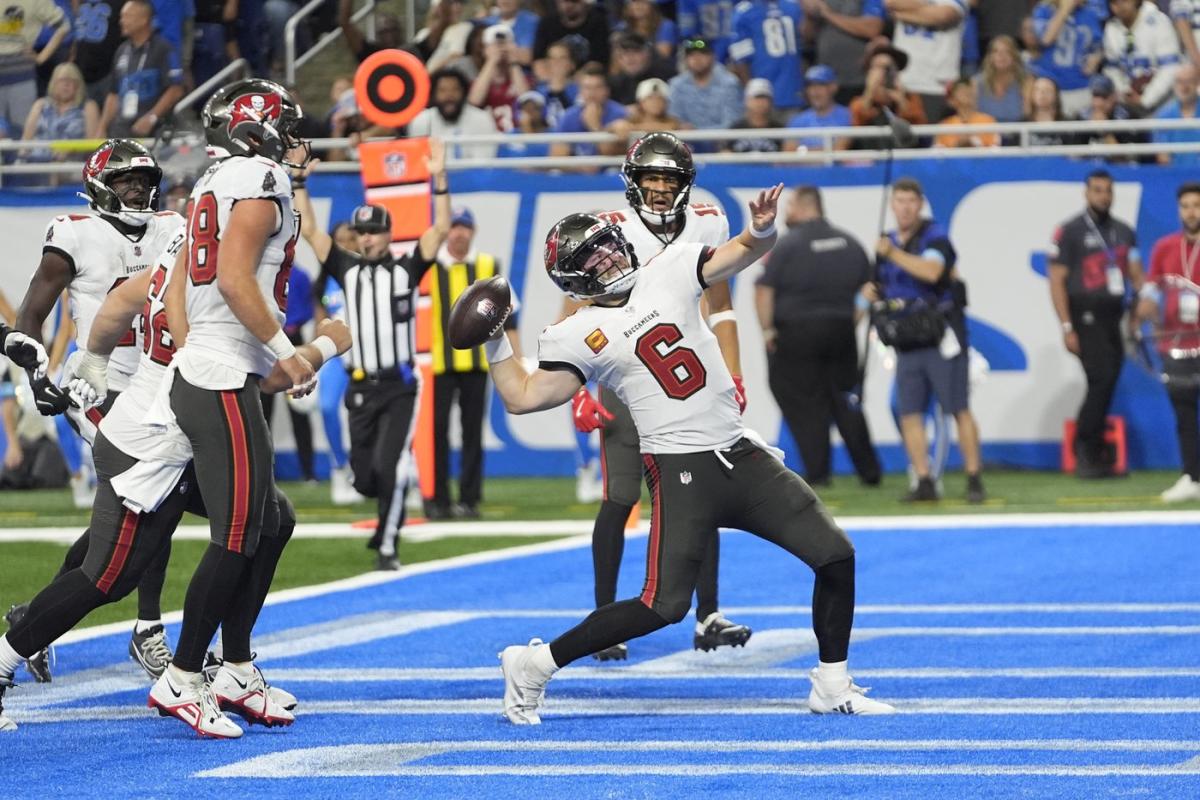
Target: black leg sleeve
(706,579)
(833,609)
(604,627)
(57,609)
(75,555)
(210,597)
(608,546)
(151,585)
(237,629)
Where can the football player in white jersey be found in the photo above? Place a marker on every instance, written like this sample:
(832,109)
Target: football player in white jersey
(89,255)
(658,175)
(146,482)
(643,336)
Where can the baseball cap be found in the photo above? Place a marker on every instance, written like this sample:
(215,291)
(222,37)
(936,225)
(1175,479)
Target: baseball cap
(697,46)
(531,97)
(371,219)
(493,33)
(462,216)
(652,86)
(819,73)
(1102,86)
(759,87)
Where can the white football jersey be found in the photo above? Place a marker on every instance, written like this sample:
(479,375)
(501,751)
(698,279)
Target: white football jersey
(934,54)
(704,223)
(657,354)
(123,425)
(103,258)
(220,352)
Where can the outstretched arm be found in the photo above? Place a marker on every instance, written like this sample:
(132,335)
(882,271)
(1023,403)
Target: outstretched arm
(524,391)
(119,308)
(435,235)
(751,244)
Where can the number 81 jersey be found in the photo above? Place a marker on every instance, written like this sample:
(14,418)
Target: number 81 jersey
(219,347)
(657,354)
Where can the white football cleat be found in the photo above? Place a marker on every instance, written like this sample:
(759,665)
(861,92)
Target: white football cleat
(193,703)
(523,690)
(246,693)
(1185,490)
(848,699)
(83,493)
(341,487)
(6,724)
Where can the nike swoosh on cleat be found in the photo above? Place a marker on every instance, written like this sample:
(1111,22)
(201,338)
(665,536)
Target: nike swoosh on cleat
(241,685)
(172,688)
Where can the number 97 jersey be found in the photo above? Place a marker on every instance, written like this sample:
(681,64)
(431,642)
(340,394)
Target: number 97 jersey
(219,347)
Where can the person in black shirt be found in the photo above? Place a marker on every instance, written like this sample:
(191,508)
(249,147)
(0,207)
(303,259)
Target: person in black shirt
(578,20)
(97,34)
(760,115)
(636,61)
(1093,258)
(387,32)
(806,302)
(381,296)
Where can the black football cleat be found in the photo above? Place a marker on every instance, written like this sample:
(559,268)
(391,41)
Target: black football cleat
(618,652)
(38,664)
(716,631)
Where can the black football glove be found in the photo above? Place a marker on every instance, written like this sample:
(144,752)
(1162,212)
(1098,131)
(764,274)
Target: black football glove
(27,353)
(49,399)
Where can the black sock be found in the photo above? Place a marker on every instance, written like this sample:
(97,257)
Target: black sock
(608,546)
(604,627)
(57,609)
(75,555)
(209,599)
(149,590)
(236,629)
(833,609)
(706,579)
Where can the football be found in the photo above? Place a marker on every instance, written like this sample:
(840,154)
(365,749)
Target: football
(479,313)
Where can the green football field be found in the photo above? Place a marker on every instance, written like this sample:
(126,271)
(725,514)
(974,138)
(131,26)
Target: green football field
(26,566)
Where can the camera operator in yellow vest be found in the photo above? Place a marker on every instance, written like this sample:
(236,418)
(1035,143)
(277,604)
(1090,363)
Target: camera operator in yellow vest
(459,374)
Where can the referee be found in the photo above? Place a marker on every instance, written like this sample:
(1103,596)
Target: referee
(381,295)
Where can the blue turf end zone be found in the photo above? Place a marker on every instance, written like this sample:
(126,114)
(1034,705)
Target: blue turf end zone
(1056,661)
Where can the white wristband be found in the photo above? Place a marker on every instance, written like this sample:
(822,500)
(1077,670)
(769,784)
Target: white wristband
(326,347)
(766,234)
(497,350)
(281,346)
(721,316)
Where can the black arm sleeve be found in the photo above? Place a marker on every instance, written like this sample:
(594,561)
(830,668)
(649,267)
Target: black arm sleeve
(335,266)
(562,366)
(416,266)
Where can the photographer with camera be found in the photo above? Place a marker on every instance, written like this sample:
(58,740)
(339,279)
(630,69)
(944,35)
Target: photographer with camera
(918,307)
(884,91)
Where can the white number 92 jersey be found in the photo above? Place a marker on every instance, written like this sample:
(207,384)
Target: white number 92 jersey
(220,351)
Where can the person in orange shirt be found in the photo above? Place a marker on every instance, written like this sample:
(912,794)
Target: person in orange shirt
(883,90)
(965,102)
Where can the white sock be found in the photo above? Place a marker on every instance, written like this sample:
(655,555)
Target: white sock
(185,677)
(541,661)
(144,625)
(9,659)
(832,674)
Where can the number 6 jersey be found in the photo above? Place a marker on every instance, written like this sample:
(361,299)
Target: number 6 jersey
(657,354)
(220,352)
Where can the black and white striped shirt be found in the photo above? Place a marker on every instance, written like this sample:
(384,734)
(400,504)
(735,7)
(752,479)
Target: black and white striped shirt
(381,307)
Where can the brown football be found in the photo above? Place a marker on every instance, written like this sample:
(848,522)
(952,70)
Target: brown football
(479,313)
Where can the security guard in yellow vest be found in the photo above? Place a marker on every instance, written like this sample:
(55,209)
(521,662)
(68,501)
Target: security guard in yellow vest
(459,373)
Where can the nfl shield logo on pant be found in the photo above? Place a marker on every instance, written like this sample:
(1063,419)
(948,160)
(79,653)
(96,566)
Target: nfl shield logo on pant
(685,477)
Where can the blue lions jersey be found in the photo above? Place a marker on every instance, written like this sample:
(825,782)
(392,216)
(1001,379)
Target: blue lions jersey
(711,20)
(765,35)
(1079,37)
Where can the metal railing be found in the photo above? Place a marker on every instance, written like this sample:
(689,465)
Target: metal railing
(292,62)
(203,90)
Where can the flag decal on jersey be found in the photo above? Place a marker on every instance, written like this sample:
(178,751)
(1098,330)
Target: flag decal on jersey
(50,234)
(685,477)
(596,340)
(269,182)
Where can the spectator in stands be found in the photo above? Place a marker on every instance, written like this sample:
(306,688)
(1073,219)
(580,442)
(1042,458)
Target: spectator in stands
(32,459)
(147,79)
(176,198)
(964,101)
(1045,105)
(61,53)
(1141,51)
(1067,47)
(643,18)
(1093,256)
(522,22)
(649,112)
(840,30)
(388,30)
(760,114)
(173,21)
(501,80)
(595,111)
(1186,16)
(583,19)
(531,118)
(884,89)
(1181,106)
(1002,84)
(635,61)
(821,89)
(710,20)
(931,34)
(559,86)
(215,43)
(23,20)
(276,14)
(707,95)
(449,114)
(765,36)
(64,113)
(968,63)
(464,54)
(97,32)
(1106,105)
(1000,18)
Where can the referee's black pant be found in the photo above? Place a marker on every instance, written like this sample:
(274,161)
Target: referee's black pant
(470,389)
(813,373)
(381,429)
(1102,354)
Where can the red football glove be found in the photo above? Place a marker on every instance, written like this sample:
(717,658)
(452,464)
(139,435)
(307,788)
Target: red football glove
(587,411)
(739,392)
